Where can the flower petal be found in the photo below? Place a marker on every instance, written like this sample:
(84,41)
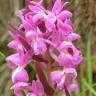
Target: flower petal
(71,72)
(37,85)
(64,15)
(65,61)
(13,61)
(50,22)
(57,6)
(13,44)
(20,75)
(20,86)
(37,18)
(72,87)
(64,28)
(56,76)
(73,36)
(31,94)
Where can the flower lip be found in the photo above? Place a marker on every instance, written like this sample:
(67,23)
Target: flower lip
(20,85)
(20,75)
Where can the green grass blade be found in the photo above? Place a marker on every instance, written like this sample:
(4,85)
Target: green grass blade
(89,64)
(89,87)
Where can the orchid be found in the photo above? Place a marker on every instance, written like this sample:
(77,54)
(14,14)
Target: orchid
(35,39)
(63,77)
(69,55)
(36,85)
(44,38)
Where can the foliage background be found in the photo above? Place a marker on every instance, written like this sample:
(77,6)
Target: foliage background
(84,21)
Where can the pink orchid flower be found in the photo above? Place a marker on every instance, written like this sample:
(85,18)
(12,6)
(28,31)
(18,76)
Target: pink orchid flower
(64,77)
(37,89)
(36,41)
(69,55)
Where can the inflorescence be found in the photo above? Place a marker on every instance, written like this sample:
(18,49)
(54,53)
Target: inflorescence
(44,39)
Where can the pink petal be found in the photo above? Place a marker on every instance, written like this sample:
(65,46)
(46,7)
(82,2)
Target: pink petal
(57,6)
(56,76)
(60,85)
(65,28)
(28,17)
(20,86)
(64,61)
(73,36)
(72,87)
(34,9)
(31,94)
(71,72)
(29,35)
(70,59)
(37,88)
(64,15)
(78,58)
(37,18)
(18,93)
(20,75)
(13,44)
(27,25)
(65,45)
(50,22)
(39,47)
(37,3)
(13,60)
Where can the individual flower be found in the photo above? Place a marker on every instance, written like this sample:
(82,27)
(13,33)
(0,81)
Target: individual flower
(62,33)
(64,77)
(19,87)
(37,89)
(35,39)
(13,61)
(69,55)
(20,80)
(18,59)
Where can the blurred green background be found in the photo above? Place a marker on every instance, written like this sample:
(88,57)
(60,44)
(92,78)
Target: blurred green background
(84,21)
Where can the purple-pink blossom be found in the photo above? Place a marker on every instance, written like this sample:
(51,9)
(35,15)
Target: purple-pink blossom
(63,77)
(46,37)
